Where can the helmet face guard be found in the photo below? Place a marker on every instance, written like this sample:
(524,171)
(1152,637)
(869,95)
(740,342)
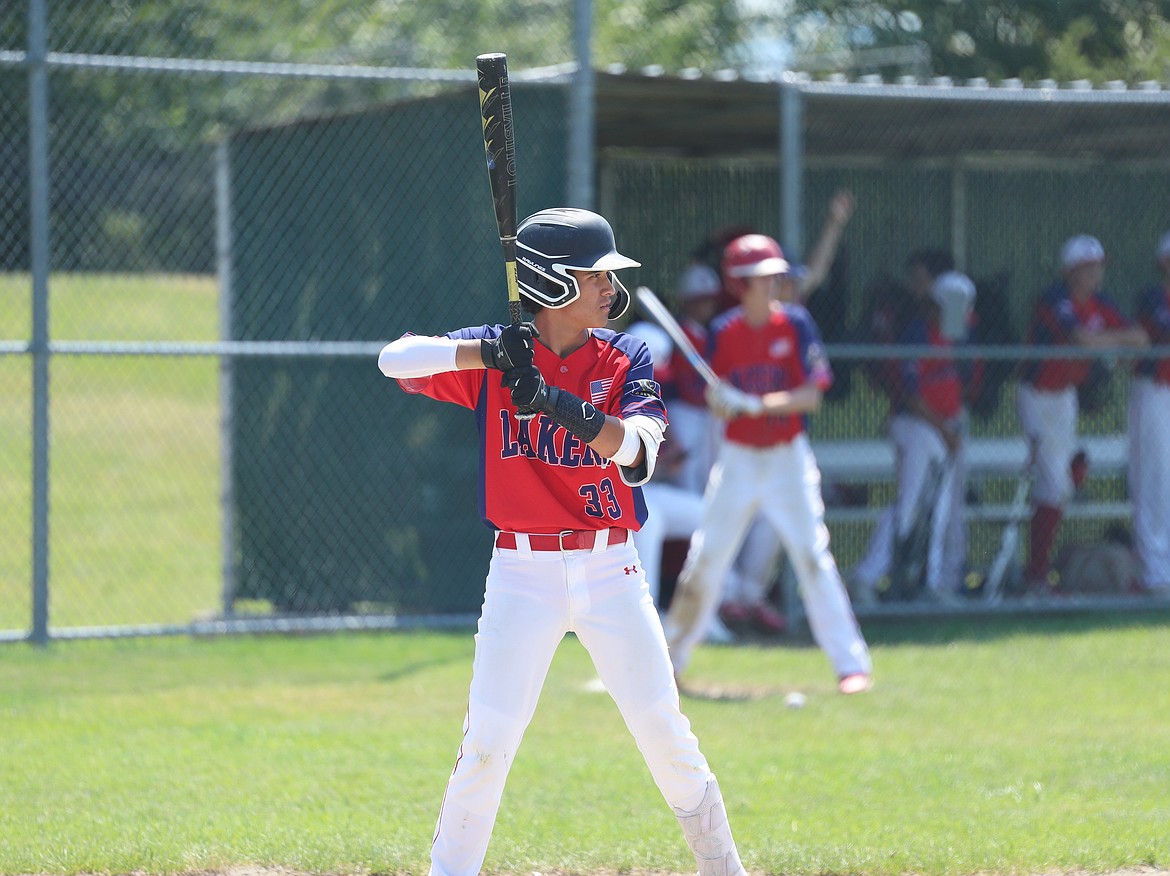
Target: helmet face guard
(552,243)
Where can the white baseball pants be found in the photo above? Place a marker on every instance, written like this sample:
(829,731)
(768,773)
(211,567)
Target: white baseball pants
(1149,478)
(783,484)
(918,446)
(532,599)
(699,432)
(1049,420)
(671,512)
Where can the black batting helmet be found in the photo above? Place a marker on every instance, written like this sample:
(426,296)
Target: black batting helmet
(552,242)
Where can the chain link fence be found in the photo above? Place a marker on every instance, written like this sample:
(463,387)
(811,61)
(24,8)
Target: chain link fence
(243,205)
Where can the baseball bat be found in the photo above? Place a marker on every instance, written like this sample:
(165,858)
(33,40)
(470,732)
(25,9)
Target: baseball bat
(994,584)
(659,312)
(911,554)
(499,143)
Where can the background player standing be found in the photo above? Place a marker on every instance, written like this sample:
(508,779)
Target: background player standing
(928,427)
(772,358)
(1149,435)
(694,431)
(1072,312)
(561,491)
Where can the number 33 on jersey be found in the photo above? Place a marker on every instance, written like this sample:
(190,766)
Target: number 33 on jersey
(534,475)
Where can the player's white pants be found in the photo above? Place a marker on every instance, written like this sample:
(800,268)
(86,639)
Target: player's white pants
(1149,477)
(755,567)
(532,600)
(697,431)
(918,446)
(671,512)
(782,483)
(1049,420)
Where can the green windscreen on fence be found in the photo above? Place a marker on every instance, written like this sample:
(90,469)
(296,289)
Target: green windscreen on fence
(346,490)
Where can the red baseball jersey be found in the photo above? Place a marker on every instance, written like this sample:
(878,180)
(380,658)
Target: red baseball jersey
(1154,317)
(934,380)
(783,354)
(535,476)
(1054,320)
(689,386)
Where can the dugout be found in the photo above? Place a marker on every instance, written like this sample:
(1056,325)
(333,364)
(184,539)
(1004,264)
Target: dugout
(345,493)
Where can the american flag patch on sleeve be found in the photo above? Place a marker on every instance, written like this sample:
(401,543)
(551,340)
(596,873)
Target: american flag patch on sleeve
(599,391)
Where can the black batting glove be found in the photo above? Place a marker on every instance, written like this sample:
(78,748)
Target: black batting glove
(529,391)
(532,396)
(512,349)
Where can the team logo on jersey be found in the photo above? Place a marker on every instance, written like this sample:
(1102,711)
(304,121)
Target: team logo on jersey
(644,388)
(630,570)
(780,348)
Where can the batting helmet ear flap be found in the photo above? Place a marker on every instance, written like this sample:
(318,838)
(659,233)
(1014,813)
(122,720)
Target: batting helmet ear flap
(553,243)
(621,301)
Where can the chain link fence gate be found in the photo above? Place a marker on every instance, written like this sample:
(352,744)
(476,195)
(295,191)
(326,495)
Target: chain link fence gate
(230,243)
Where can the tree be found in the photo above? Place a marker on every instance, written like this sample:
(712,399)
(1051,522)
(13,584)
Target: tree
(1026,39)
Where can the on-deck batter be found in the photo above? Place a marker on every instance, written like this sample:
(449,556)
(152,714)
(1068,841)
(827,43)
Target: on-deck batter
(771,356)
(562,492)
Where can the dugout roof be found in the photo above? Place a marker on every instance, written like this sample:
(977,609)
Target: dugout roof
(709,115)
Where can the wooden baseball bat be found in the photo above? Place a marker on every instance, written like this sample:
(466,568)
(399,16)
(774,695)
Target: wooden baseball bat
(661,314)
(499,143)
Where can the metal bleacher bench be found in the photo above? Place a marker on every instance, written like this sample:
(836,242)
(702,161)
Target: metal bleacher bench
(870,460)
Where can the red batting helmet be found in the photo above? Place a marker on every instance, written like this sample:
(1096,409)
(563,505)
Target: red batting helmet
(752,255)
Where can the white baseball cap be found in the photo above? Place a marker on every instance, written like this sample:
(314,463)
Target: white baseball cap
(698,281)
(1164,247)
(953,286)
(1081,250)
(955,293)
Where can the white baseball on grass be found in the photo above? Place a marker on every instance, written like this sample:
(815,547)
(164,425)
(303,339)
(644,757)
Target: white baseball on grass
(795,700)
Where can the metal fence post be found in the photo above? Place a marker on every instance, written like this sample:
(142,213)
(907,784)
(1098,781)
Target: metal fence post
(223,252)
(38,144)
(791,168)
(581,126)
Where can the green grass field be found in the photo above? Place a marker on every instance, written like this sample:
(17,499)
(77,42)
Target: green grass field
(134,466)
(1007,747)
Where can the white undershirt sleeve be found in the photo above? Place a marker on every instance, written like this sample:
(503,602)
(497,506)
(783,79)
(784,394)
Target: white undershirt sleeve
(417,356)
(650,432)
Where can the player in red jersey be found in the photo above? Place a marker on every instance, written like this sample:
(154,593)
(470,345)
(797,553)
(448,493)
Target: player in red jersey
(927,426)
(1149,435)
(693,430)
(562,492)
(1073,312)
(771,357)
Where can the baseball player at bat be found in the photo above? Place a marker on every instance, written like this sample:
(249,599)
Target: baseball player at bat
(774,373)
(562,493)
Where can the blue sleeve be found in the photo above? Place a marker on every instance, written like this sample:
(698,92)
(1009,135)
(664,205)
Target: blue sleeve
(812,349)
(1154,311)
(475,332)
(641,394)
